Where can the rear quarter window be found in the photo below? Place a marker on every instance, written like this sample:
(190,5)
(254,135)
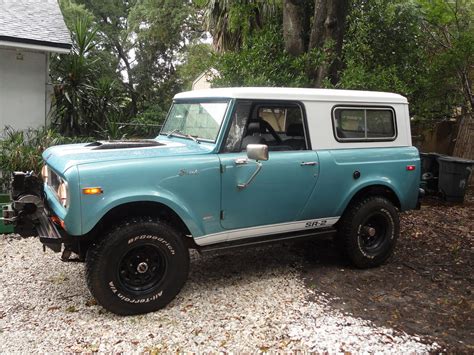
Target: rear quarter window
(354,124)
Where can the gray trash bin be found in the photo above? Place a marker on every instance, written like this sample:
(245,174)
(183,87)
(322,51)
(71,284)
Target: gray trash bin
(453,177)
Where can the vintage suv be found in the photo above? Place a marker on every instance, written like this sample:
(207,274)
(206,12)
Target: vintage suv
(230,167)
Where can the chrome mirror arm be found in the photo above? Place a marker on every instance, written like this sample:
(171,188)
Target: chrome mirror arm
(255,173)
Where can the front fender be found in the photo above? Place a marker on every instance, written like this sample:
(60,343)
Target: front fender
(98,210)
(190,187)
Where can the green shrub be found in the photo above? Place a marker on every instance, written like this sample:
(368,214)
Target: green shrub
(21,150)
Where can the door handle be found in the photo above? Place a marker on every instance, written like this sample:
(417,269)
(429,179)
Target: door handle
(308,163)
(241,161)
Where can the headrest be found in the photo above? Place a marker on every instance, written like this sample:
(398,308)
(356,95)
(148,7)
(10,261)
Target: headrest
(295,129)
(253,127)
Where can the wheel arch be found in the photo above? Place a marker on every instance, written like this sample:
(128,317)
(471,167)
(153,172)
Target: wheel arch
(145,208)
(139,208)
(373,190)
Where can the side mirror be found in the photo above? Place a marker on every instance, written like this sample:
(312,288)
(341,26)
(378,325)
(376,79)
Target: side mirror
(257,151)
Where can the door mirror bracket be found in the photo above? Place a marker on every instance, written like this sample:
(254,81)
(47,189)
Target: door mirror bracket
(254,152)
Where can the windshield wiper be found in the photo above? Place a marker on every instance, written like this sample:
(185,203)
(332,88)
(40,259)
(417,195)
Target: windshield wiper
(193,138)
(174,131)
(177,132)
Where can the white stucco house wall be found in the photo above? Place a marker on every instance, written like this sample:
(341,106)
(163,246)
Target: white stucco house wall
(203,81)
(29,31)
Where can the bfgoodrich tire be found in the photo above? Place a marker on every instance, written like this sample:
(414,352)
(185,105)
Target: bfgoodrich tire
(368,231)
(139,267)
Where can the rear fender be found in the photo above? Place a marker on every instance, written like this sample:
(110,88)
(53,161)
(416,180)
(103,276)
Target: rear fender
(382,183)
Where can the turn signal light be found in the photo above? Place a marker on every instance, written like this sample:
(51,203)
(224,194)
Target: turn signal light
(92,191)
(411,167)
(58,221)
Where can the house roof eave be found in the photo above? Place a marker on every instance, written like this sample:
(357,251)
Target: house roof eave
(28,44)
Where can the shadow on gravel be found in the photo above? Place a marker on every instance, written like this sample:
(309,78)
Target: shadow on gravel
(426,288)
(237,265)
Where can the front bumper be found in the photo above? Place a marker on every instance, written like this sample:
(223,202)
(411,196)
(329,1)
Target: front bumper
(41,226)
(48,233)
(29,213)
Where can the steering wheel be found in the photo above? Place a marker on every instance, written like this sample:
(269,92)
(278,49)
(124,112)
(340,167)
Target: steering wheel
(267,126)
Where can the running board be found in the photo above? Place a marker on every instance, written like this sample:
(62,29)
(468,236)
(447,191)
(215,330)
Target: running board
(267,239)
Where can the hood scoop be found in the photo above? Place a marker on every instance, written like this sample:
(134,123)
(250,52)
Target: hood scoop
(140,143)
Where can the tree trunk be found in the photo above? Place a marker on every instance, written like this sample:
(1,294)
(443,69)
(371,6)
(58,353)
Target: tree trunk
(130,86)
(464,145)
(328,32)
(294,26)
(467,89)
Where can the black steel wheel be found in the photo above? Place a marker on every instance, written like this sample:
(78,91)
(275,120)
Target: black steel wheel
(139,267)
(373,232)
(142,268)
(368,231)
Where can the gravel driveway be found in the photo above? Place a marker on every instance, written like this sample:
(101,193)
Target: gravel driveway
(248,300)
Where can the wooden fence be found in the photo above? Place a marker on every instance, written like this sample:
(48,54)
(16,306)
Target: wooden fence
(450,137)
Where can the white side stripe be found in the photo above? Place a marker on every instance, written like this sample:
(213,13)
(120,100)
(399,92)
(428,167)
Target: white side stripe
(270,229)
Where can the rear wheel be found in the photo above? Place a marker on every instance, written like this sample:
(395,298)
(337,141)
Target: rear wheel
(368,231)
(139,267)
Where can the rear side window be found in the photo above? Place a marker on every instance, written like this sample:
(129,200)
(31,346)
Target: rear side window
(364,124)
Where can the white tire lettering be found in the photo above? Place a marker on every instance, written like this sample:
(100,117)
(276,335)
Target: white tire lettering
(132,300)
(112,287)
(153,237)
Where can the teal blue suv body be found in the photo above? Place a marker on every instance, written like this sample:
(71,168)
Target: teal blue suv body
(230,167)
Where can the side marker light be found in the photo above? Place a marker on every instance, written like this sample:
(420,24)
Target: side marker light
(92,191)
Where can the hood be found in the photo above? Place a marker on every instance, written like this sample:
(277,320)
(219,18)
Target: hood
(62,157)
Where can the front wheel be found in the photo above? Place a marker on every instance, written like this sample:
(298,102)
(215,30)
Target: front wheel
(139,267)
(368,231)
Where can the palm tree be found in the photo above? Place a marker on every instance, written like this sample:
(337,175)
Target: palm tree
(73,94)
(230,21)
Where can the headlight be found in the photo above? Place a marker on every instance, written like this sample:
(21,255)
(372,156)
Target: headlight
(63,193)
(45,173)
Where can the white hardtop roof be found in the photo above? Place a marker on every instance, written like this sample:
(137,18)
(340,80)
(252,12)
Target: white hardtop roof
(270,93)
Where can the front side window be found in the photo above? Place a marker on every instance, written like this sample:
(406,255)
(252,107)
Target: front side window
(364,124)
(280,126)
(200,120)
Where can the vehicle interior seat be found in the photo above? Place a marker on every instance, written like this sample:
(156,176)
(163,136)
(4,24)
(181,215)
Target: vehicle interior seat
(253,135)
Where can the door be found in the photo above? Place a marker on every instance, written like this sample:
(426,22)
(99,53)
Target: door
(277,194)
(281,187)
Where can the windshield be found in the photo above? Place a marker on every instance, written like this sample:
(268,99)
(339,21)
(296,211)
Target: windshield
(201,120)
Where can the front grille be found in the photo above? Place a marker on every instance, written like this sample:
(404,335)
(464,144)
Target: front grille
(54,180)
